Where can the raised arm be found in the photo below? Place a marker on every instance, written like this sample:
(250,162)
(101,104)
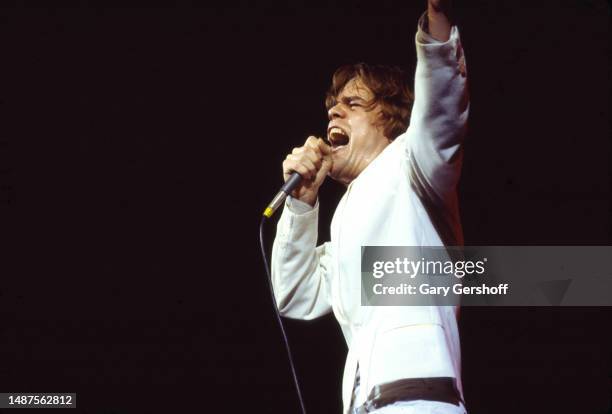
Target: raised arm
(440,111)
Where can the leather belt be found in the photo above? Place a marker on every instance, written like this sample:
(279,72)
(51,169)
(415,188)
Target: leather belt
(443,389)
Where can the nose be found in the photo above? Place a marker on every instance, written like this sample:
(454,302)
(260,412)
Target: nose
(336,111)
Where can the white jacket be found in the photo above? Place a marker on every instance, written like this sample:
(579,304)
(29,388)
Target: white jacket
(406,196)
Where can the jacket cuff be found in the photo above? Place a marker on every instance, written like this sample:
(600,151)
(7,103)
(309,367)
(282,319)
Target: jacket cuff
(298,206)
(423,35)
(434,53)
(298,221)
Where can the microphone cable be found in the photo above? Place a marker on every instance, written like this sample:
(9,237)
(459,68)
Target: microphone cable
(277,313)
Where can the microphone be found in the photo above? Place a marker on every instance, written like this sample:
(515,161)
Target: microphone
(285,190)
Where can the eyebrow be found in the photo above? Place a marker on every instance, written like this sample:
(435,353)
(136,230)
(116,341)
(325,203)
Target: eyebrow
(346,100)
(352,98)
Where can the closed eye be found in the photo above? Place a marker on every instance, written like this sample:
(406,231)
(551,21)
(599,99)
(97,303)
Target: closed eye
(354,101)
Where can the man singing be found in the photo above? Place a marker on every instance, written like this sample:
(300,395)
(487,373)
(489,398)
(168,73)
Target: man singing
(400,160)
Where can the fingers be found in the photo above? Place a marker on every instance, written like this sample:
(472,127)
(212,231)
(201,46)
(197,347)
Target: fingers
(323,171)
(307,160)
(312,142)
(300,164)
(324,148)
(319,145)
(309,153)
(327,162)
(313,162)
(306,168)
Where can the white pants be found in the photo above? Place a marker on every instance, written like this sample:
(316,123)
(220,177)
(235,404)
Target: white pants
(421,407)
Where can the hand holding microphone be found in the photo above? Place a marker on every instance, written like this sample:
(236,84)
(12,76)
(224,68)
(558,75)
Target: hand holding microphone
(304,170)
(312,161)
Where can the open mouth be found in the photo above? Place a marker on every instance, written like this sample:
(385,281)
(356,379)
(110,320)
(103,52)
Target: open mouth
(338,138)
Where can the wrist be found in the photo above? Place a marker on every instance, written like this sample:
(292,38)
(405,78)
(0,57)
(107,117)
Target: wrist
(308,198)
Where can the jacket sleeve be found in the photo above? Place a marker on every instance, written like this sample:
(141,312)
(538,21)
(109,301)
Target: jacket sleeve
(439,116)
(300,269)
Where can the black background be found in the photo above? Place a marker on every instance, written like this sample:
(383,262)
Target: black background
(147,139)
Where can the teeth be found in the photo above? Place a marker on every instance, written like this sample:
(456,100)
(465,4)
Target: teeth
(338,137)
(336,131)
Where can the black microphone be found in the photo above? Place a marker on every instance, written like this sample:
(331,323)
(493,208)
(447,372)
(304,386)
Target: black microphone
(285,190)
